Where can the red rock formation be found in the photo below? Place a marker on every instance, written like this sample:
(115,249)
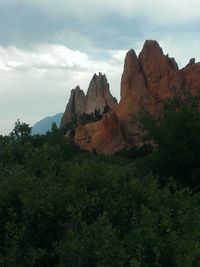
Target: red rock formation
(146,81)
(97,98)
(103,136)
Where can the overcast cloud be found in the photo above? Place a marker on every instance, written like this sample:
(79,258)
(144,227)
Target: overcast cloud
(48,47)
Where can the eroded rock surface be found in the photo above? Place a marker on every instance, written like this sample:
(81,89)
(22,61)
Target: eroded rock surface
(98,97)
(75,106)
(146,81)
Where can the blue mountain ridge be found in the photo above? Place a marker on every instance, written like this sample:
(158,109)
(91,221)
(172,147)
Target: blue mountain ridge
(44,125)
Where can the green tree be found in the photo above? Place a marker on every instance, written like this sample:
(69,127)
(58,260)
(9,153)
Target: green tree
(175,135)
(21,131)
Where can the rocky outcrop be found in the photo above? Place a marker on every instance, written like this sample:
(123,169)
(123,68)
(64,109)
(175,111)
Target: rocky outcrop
(97,98)
(98,95)
(146,81)
(103,136)
(191,62)
(75,106)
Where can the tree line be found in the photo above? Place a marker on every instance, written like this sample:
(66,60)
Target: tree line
(60,206)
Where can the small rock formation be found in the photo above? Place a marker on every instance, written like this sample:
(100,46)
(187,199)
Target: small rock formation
(191,62)
(146,81)
(98,95)
(75,106)
(97,98)
(104,135)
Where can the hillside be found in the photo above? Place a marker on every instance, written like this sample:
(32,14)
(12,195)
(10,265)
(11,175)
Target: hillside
(44,125)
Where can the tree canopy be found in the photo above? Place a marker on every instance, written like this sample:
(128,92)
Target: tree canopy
(60,206)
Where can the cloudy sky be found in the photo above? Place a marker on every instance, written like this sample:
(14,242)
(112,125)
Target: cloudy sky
(48,47)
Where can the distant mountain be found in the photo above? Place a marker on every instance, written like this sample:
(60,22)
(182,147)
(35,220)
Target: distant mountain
(44,125)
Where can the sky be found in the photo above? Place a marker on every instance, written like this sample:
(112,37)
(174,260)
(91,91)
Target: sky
(48,47)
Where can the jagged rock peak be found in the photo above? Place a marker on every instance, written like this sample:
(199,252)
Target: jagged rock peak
(151,44)
(99,76)
(98,85)
(98,97)
(131,75)
(173,63)
(191,61)
(75,106)
(152,52)
(150,49)
(156,68)
(77,89)
(147,81)
(131,61)
(98,94)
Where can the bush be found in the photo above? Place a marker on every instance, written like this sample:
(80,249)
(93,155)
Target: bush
(60,207)
(176,137)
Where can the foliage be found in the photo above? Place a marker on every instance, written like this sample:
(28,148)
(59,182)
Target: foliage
(136,152)
(21,131)
(85,118)
(175,135)
(71,125)
(62,207)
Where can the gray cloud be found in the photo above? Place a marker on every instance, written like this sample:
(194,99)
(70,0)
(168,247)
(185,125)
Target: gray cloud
(94,24)
(37,82)
(42,56)
(39,64)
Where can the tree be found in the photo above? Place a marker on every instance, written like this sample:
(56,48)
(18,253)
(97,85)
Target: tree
(21,131)
(176,137)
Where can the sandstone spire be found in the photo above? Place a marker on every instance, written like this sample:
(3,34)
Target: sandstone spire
(147,80)
(74,107)
(98,95)
(97,98)
(132,76)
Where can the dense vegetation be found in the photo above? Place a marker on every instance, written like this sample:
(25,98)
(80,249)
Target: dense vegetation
(63,207)
(176,134)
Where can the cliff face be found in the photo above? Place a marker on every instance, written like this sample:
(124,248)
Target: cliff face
(75,106)
(103,136)
(97,98)
(146,81)
(98,95)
